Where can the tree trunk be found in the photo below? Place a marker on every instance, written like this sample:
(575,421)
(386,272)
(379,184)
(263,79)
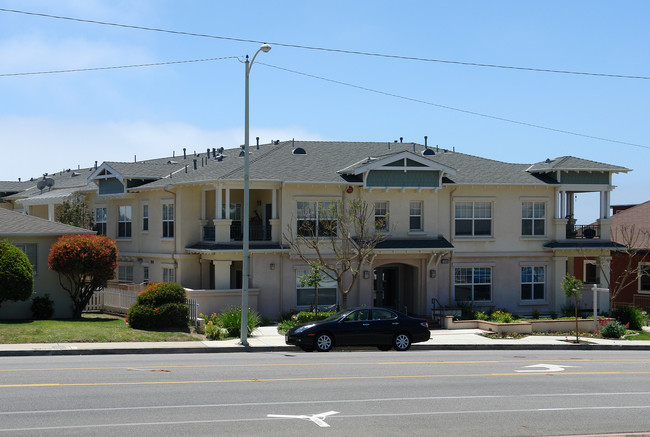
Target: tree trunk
(344,301)
(316,299)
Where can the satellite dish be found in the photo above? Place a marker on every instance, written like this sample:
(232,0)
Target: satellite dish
(41,184)
(49,182)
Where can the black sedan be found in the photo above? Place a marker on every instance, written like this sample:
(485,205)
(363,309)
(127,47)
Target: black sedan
(379,327)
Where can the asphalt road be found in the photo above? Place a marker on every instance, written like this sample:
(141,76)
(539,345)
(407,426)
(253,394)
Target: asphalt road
(466,393)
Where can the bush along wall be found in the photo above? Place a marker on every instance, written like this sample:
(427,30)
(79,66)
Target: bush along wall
(160,306)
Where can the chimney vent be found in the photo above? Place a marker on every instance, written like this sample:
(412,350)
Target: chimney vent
(425,141)
(184,153)
(258,142)
(195,164)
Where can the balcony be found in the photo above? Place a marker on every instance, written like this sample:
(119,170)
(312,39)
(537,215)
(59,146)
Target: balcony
(257,232)
(574,231)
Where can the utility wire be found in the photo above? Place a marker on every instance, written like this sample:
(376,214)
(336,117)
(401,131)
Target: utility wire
(76,70)
(451,108)
(325,49)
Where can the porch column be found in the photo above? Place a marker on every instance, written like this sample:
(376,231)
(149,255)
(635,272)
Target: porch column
(604,204)
(274,201)
(227,204)
(558,205)
(570,200)
(222,275)
(559,272)
(562,204)
(218,209)
(203,194)
(50,212)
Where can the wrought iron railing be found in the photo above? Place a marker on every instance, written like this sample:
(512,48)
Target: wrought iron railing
(209,233)
(582,231)
(256,232)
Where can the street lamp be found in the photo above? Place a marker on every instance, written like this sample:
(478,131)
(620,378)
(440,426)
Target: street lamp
(245,257)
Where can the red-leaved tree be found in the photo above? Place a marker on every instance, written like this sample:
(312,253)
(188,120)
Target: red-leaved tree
(84,262)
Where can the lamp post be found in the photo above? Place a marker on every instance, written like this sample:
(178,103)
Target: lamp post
(246,213)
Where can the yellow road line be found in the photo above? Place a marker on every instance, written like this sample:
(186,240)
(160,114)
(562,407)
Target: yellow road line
(332,378)
(374,363)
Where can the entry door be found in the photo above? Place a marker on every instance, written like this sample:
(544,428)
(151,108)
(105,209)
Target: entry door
(387,287)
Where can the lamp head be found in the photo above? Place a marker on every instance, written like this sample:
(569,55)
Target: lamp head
(265,48)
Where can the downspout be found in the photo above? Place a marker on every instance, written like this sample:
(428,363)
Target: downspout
(451,255)
(175,229)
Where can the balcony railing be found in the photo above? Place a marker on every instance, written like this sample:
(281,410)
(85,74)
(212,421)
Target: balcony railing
(256,232)
(582,231)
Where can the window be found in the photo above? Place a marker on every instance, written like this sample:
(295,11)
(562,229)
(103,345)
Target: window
(381,215)
(327,291)
(591,275)
(124,222)
(533,218)
(473,284)
(532,283)
(415,216)
(30,250)
(168,275)
(644,277)
(125,273)
(145,217)
(100,221)
(145,274)
(473,218)
(168,220)
(316,219)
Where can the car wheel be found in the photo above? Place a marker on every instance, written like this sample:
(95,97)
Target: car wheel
(324,342)
(402,341)
(384,347)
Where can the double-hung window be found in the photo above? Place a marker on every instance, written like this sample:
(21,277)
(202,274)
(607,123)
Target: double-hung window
(100,221)
(168,220)
(124,222)
(381,216)
(316,219)
(124,273)
(145,274)
(327,291)
(473,218)
(168,275)
(415,216)
(533,218)
(532,283)
(145,217)
(473,284)
(30,250)
(644,277)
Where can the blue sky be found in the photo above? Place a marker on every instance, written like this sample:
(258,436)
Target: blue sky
(51,122)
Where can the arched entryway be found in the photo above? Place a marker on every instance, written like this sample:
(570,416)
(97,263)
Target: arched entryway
(396,287)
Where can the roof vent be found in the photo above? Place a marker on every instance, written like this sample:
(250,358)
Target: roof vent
(241,153)
(276,142)
(172,162)
(428,152)
(298,151)
(220,150)
(74,173)
(548,161)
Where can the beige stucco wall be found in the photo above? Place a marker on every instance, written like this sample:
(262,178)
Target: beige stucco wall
(45,281)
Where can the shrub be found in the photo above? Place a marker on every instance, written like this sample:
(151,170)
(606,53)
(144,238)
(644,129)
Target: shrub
(159,306)
(553,315)
(466,310)
(613,329)
(16,280)
(501,317)
(480,315)
(630,314)
(42,307)
(230,320)
(302,317)
(535,314)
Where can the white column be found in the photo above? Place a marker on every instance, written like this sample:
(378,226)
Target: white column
(218,210)
(571,203)
(227,204)
(50,212)
(203,199)
(562,204)
(274,201)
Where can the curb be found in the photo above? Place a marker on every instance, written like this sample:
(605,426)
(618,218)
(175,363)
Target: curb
(249,349)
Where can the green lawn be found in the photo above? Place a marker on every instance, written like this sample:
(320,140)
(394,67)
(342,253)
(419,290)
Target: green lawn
(91,328)
(643,335)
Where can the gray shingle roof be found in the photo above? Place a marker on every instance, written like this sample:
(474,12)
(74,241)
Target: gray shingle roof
(17,224)
(573,163)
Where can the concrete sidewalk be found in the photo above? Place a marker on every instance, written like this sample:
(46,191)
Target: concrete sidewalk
(267,339)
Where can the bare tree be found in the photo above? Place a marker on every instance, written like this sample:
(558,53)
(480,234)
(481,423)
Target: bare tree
(340,236)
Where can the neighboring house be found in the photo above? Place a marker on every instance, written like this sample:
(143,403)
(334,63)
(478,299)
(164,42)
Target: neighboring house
(462,227)
(633,219)
(35,236)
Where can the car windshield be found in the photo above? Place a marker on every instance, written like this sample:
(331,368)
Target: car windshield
(335,316)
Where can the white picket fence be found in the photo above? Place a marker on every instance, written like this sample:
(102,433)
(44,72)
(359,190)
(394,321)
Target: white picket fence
(118,301)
